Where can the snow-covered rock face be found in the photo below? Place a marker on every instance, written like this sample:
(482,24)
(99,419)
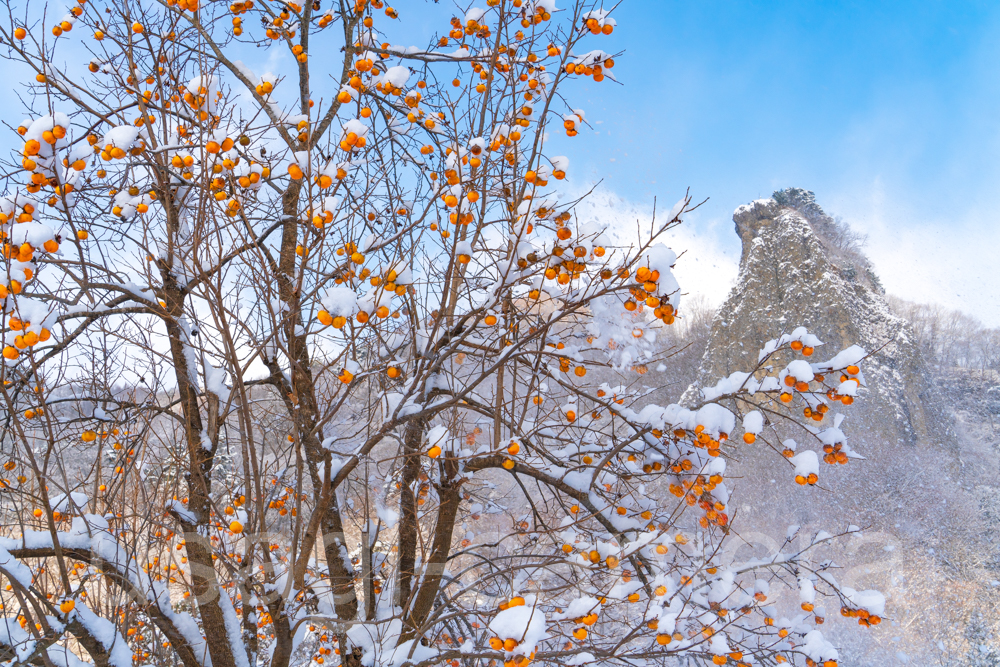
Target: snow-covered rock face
(750,218)
(792,275)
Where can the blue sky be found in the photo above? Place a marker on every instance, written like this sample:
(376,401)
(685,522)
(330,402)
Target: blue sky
(888,111)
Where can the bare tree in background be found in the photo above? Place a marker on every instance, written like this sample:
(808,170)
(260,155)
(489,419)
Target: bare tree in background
(949,338)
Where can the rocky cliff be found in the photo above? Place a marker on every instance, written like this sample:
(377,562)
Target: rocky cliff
(800,267)
(924,494)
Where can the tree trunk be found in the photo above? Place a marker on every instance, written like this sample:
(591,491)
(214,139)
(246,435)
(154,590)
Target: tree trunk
(450,497)
(338,561)
(204,581)
(412,439)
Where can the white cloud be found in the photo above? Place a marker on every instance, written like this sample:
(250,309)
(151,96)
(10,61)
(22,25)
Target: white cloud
(939,263)
(708,248)
(924,257)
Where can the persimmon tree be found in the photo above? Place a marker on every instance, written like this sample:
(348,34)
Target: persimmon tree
(319,365)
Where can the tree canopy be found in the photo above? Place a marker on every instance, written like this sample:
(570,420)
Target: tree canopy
(319,364)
